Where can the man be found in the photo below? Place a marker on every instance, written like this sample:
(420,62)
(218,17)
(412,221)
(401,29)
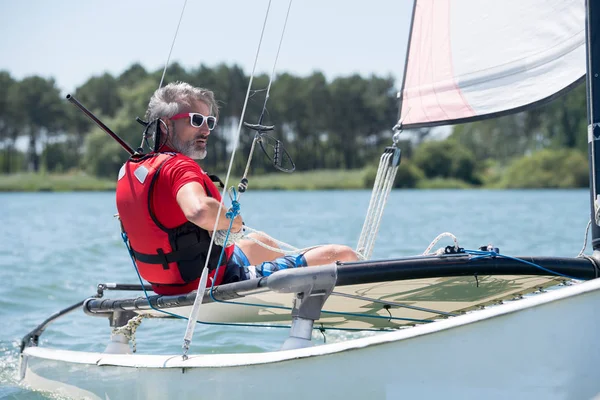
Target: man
(168,205)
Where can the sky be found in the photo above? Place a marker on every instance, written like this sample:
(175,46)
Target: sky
(73,40)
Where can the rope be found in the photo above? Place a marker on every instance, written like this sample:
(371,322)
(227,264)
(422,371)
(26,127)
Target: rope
(128,330)
(437,239)
(369,218)
(485,254)
(384,179)
(585,239)
(224,240)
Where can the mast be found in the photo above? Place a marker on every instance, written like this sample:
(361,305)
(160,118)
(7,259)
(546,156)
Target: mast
(400,93)
(593,103)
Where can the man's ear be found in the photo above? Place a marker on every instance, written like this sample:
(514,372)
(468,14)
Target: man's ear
(164,127)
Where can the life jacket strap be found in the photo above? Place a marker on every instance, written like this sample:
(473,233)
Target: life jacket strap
(216,180)
(169,284)
(164,259)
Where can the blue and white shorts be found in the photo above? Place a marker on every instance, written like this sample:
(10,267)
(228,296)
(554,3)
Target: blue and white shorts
(239,265)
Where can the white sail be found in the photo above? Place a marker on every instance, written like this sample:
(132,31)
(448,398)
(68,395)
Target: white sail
(524,52)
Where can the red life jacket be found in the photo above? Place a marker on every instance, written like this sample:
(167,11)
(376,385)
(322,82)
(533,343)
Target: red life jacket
(171,259)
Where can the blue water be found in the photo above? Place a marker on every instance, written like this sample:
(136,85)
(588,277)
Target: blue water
(56,247)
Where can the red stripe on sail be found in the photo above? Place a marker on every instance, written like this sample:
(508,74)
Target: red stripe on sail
(431,92)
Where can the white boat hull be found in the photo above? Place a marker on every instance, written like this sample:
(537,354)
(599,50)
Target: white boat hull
(543,347)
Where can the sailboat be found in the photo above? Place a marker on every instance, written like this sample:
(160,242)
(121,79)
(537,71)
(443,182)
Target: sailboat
(466,61)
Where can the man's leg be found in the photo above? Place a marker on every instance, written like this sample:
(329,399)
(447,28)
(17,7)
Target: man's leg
(329,253)
(321,255)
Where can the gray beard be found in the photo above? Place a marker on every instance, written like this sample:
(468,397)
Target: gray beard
(188,148)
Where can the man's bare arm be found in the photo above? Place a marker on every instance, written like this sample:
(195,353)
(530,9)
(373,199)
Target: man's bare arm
(202,210)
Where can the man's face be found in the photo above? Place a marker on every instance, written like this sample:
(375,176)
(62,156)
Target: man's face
(187,139)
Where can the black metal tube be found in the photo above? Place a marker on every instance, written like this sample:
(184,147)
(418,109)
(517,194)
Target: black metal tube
(100,124)
(593,101)
(99,307)
(460,265)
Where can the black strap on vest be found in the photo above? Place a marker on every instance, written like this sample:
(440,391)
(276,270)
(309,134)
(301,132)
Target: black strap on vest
(168,284)
(216,179)
(164,259)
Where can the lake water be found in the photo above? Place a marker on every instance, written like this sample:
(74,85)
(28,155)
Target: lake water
(56,247)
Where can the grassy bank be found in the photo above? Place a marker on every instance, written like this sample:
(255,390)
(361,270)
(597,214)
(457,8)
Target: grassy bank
(313,180)
(41,182)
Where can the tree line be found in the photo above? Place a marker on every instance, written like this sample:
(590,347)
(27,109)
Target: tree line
(344,123)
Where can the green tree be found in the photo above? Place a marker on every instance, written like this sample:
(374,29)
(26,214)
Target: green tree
(564,121)
(361,110)
(548,168)
(299,107)
(175,72)
(446,159)
(9,123)
(41,111)
(61,156)
(100,95)
(132,76)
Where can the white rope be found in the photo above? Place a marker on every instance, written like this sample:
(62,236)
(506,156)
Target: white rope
(233,237)
(385,192)
(384,180)
(291,250)
(585,239)
(245,185)
(283,248)
(172,46)
(361,247)
(128,330)
(437,239)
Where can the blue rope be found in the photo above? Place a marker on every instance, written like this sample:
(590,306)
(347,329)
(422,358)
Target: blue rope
(126,240)
(487,254)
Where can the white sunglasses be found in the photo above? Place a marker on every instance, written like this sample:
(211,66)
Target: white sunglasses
(197,119)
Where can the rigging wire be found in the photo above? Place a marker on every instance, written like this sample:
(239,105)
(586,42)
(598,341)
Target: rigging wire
(262,113)
(275,62)
(172,45)
(196,307)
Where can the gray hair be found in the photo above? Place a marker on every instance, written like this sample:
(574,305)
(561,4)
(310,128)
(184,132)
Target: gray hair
(172,98)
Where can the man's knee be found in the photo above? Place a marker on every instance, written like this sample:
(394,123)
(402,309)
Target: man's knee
(345,253)
(339,252)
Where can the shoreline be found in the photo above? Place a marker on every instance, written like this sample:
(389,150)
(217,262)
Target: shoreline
(299,181)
